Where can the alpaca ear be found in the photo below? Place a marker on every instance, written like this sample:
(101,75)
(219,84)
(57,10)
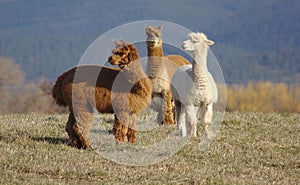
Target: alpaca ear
(116,43)
(209,42)
(160,27)
(122,42)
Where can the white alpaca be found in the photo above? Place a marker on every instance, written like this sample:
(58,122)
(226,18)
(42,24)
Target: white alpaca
(193,87)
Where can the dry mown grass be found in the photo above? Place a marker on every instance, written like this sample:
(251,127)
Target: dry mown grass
(252,148)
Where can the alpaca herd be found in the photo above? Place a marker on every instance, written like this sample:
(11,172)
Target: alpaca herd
(181,87)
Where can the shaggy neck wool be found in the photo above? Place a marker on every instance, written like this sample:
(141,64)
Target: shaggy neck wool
(155,61)
(134,71)
(199,70)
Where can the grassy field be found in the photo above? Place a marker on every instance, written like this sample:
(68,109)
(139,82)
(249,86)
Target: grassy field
(252,148)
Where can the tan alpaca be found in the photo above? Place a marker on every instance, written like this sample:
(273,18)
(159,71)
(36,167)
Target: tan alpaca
(160,69)
(95,87)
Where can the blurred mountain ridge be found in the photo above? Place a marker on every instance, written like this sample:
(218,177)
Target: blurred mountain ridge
(255,40)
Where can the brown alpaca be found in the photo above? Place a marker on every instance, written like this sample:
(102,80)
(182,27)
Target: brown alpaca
(160,70)
(123,92)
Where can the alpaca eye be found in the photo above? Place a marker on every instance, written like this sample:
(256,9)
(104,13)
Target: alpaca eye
(120,53)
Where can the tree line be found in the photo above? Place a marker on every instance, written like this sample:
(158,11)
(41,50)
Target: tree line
(20,96)
(49,57)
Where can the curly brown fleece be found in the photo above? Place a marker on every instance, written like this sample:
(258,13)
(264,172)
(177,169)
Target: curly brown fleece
(84,88)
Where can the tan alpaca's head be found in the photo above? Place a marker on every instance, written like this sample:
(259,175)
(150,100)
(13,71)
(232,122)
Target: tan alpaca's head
(196,40)
(123,54)
(154,36)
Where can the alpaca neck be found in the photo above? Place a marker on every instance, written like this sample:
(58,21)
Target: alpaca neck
(155,61)
(134,71)
(155,51)
(199,70)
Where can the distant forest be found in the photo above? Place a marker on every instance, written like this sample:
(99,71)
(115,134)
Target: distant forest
(18,96)
(48,57)
(255,40)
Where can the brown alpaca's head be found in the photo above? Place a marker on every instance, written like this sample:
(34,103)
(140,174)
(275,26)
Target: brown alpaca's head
(154,36)
(123,54)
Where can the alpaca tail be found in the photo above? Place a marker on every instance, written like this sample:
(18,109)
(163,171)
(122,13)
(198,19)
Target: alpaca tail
(57,91)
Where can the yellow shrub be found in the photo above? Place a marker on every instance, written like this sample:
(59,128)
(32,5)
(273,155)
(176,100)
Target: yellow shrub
(264,97)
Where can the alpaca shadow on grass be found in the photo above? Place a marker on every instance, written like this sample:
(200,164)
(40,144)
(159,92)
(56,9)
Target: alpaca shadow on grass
(51,140)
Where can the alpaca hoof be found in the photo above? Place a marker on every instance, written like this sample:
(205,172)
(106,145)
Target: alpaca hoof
(132,140)
(76,144)
(168,121)
(120,140)
(111,132)
(182,133)
(193,133)
(79,145)
(71,143)
(86,146)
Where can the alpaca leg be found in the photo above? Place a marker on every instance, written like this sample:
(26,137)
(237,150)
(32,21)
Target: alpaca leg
(199,113)
(178,113)
(156,102)
(191,119)
(180,116)
(81,128)
(120,126)
(207,120)
(157,105)
(82,112)
(160,115)
(69,129)
(174,111)
(131,134)
(168,108)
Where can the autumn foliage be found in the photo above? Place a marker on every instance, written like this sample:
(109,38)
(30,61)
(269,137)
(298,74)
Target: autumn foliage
(20,96)
(264,97)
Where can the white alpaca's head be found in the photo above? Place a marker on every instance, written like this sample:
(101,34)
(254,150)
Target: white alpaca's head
(196,40)
(154,36)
